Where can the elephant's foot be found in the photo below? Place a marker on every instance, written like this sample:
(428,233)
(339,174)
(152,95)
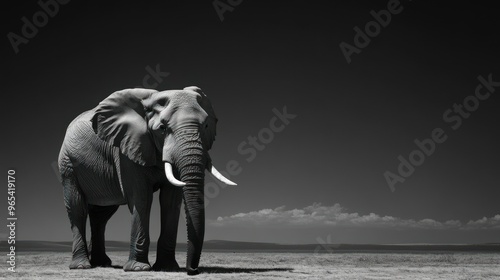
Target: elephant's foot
(192,271)
(171,266)
(82,263)
(132,265)
(100,260)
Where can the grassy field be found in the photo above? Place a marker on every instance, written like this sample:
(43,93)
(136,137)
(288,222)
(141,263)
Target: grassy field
(219,265)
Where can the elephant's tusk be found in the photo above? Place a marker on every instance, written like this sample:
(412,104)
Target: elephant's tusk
(219,176)
(170,176)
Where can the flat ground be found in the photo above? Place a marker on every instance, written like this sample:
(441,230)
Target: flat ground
(229,265)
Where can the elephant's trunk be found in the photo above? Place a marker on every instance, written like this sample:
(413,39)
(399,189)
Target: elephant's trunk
(191,163)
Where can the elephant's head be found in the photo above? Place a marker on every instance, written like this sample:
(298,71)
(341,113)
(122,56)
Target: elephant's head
(174,128)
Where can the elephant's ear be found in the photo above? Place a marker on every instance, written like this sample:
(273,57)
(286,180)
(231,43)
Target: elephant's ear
(120,120)
(211,122)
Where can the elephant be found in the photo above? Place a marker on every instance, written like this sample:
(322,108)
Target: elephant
(135,142)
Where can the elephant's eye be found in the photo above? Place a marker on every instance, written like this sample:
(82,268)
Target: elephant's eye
(162,127)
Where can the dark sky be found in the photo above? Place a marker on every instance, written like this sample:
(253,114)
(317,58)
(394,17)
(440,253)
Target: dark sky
(327,165)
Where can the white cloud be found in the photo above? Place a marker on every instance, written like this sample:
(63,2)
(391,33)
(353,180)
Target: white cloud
(484,223)
(319,215)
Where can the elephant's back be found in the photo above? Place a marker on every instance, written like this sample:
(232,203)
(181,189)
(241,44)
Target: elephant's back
(93,162)
(80,138)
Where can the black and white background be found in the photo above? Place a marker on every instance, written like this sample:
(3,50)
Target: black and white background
(323,176)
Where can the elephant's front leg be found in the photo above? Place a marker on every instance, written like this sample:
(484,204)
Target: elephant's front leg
(139,239)
(170,203)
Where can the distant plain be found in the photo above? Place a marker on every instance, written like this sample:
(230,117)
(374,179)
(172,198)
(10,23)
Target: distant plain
(48,262)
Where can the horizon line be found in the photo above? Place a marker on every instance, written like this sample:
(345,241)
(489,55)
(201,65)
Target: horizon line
(284,244)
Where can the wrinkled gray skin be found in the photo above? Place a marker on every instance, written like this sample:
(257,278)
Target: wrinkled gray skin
(114,155)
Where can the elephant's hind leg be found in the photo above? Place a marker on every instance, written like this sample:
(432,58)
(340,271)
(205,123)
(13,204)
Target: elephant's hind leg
(77,213)
(99,217)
